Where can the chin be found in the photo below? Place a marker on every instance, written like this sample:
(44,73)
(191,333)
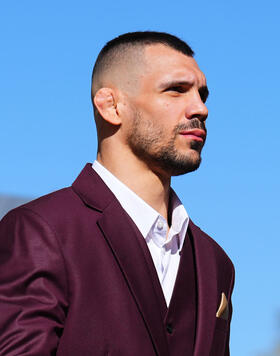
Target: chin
(194,156)
(181,164)
(169,161)
(185,168)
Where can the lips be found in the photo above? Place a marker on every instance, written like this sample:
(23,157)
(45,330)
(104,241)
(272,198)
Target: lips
(195,134)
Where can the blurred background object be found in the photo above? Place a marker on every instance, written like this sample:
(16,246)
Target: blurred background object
(9,202)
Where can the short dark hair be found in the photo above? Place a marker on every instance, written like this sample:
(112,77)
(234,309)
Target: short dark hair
(141,38)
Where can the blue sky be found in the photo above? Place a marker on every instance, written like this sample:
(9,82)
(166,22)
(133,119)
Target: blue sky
(47,130)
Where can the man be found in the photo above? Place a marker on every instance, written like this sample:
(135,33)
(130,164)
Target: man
(113,265)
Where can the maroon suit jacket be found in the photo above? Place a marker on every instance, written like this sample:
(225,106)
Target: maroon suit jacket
(77,279)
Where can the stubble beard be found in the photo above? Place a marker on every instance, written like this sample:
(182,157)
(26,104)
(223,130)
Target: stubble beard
(145,140)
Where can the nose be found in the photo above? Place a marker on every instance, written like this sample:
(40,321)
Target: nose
(196,108)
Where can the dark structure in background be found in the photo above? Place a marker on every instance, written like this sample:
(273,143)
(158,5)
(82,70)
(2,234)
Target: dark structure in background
(9,202)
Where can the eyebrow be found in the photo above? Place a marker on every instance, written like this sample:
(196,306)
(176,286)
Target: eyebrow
(175,83)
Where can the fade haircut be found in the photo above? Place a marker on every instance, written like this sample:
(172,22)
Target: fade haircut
(124,49)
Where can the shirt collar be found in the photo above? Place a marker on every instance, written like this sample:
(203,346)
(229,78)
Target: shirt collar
(143,215)
(140,212)
(180,220)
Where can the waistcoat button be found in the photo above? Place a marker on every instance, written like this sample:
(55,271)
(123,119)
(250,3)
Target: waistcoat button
(169,328)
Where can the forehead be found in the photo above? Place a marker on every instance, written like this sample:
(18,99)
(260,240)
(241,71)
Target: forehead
(164,63)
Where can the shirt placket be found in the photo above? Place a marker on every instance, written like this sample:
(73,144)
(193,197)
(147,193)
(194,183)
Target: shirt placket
(165,258)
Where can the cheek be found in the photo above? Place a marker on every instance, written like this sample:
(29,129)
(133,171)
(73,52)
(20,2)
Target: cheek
(152,105)
(162,114)
(172,110)
(166,115)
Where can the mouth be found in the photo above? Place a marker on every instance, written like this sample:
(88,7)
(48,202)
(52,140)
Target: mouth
(195,134)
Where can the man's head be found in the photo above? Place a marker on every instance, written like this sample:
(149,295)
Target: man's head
(148,95)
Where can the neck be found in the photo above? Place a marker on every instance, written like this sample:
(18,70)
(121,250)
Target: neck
(150,186)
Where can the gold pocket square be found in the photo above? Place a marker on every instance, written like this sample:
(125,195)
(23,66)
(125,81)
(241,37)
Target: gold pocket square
(223,308)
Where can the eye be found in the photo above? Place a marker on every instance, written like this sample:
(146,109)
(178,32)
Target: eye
(177,89)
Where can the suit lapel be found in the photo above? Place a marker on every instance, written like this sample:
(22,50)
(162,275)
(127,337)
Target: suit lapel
(120,235)
(184,275)
(124,240)
(152,270)
(207,278)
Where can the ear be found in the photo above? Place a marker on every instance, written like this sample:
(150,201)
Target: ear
(106,104)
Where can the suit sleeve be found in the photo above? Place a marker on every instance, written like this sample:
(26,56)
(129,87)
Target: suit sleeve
(227,350)
(33,288)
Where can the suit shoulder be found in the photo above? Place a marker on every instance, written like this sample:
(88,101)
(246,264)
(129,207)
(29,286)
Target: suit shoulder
(54,207)
(57,198)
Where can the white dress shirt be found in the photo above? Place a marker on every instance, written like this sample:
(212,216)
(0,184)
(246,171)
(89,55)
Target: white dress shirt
(164,248)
